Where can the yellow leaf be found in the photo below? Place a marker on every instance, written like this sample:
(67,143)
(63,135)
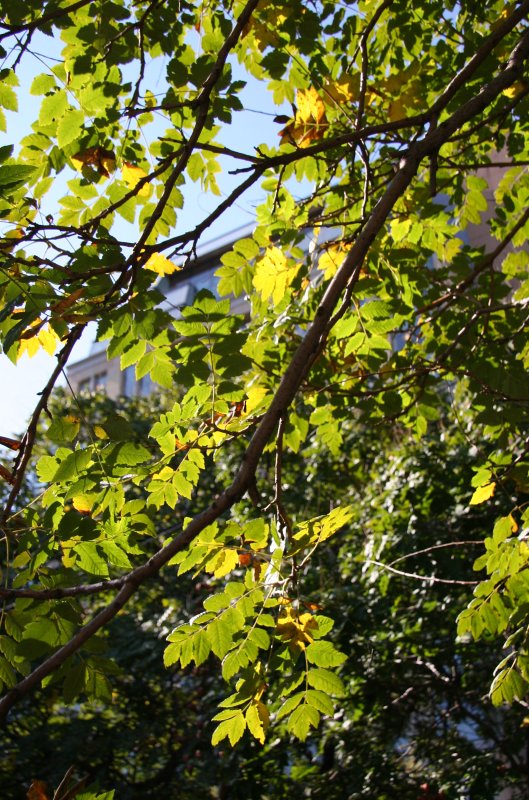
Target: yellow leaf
(310,106)
(274,275)
(100,432)
(29,346)
(331,259)
(310,122)
(483,493)
(131,175)
(161,265)
(257,720)
(82,503)
(166,473)
(226,562)
(9,242)
(295,628)
(396,110)
(344,90)
(254,398)
(517,88)
(48,339)
(302,135)
(39,335)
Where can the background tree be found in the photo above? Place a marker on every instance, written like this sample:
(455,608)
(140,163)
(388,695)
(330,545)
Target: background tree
(396,115)
(413,713)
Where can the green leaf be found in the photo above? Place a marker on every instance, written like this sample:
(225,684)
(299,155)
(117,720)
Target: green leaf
(324,654)
(12,177)
(70,127)
(320,701)
(53,107)
(231,728)
(507,686)
(73,465)
(302,719)
(8,98)
(90,560)
(42,84)
(326,681)
(289,705)
(7,673)
(260,638)
(233,663)
(220,636)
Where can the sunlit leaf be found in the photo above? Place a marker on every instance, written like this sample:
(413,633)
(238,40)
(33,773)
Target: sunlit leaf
(483,493)
(161,265)
(132,175)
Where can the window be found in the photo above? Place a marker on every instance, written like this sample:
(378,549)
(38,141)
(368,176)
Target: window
(128,382)
(145,386)
(100,381)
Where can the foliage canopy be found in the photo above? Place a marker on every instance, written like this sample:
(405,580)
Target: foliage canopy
(393,293)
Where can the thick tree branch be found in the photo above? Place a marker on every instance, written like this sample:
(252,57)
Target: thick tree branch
(60,592)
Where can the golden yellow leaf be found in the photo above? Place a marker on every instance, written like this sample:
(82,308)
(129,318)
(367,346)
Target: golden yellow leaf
(254,398)
(223,562)
(301,135)
(257,720)
(331,259)
(517,88)
(402,91)
(310,106)
(310,122)
(396,110)
(295,628)
(29,346)
(161,265)
(132,175)
(82,503)
(48,339)
(37,337)
(343,90)
(100,432)
(274,274)
(483,493)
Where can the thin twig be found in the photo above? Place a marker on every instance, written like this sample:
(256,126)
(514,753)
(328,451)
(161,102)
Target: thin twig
(423,578)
